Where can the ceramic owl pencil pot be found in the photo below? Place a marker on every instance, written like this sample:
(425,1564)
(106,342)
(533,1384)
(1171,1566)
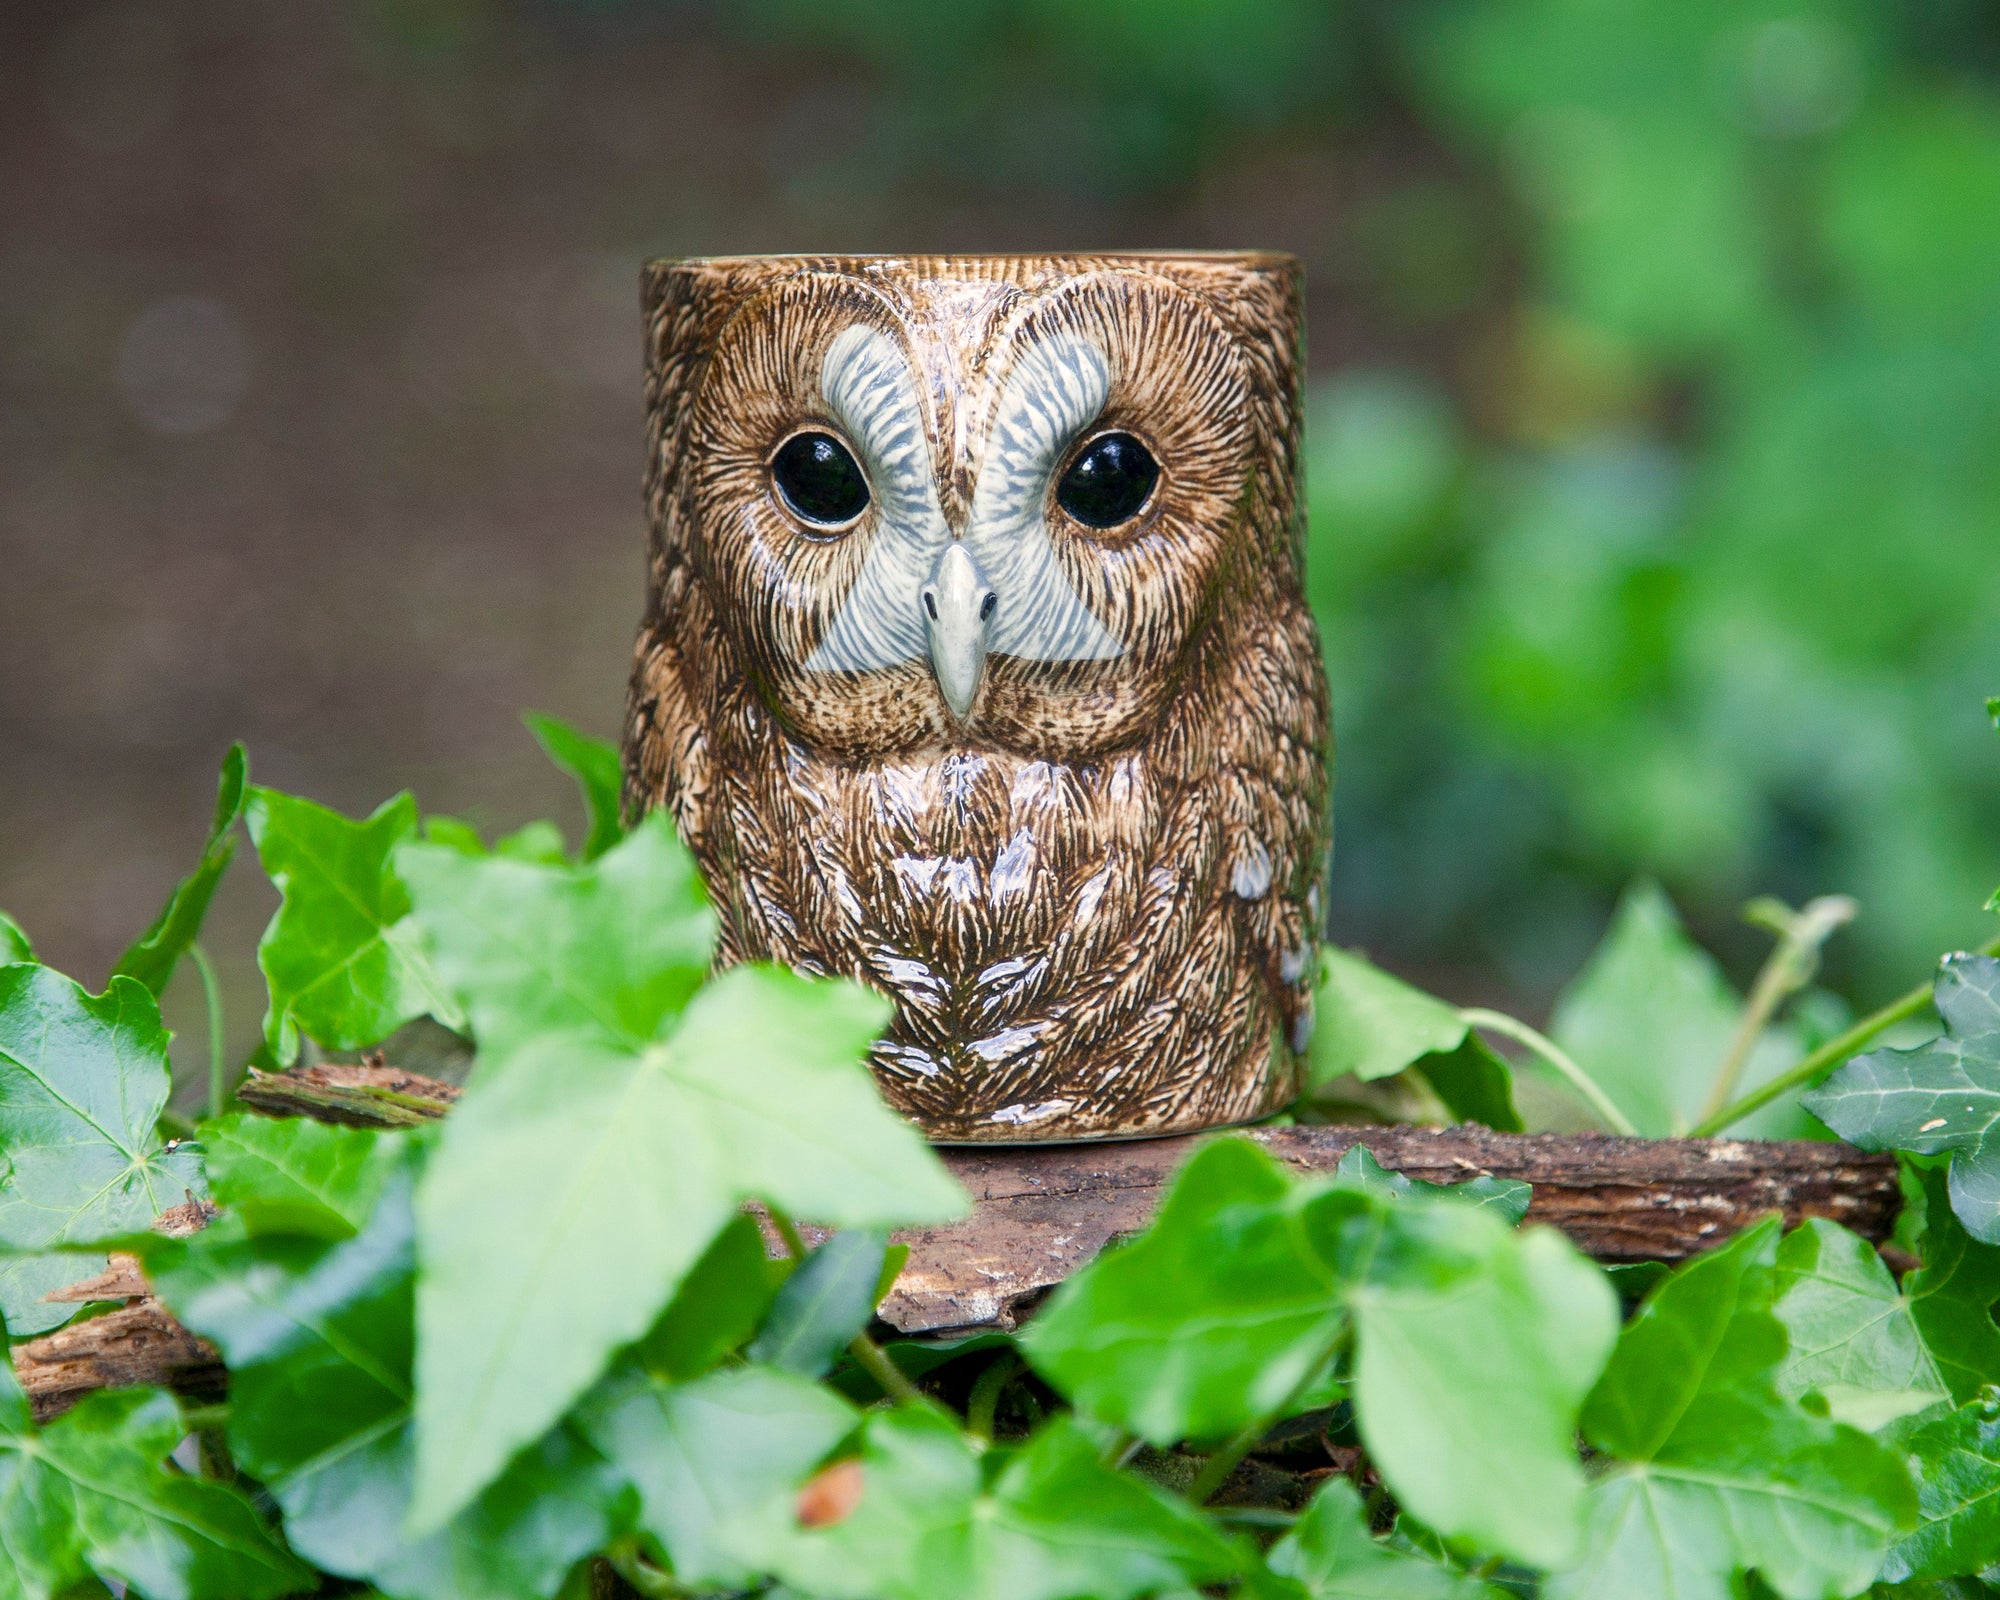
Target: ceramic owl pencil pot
(975,666)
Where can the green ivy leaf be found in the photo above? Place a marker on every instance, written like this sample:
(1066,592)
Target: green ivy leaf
(455,833)
(719,1306)
(295,1176)
(83,1079)
(1634,1280)
(1330,1552)
(533,841)
(1053,1523)
(1853,1339)
(609,952)
(343,957)
(1474,1348)
(557,1502)
(824,1304)
(1717,1473)
(1359,1167)
(575,1187)
(318,1337)
(1650,1017)
(599,775)
(1952,1296)
(1374,1025)
(1966,1588)
(25,1279)
(14,945)
(1475,1345)
(1205,1322)
(1993,711)
(1940,1097)
(1475,1084)
(716,1460)
(89,1496)
(608,1135)
(152,957)
(1956,1462)
(1508,1198)
(915,1357)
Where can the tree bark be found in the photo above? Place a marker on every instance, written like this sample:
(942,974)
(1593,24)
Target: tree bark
(1042,1211)
(138,1343)
(367,1096)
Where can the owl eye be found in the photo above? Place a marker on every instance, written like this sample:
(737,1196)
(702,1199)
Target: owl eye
(1109,481)
(819,479)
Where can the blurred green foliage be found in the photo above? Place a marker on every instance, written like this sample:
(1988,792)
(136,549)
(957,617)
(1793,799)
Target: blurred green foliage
(1720,586)
(1665,537)
(1101,97)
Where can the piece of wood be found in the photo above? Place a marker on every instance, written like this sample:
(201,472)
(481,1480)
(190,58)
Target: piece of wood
(138,1343)
(369,1095)
(1042,1211)
(123,1278)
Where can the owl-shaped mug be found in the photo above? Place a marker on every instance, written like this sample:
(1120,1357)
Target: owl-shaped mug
(975,666)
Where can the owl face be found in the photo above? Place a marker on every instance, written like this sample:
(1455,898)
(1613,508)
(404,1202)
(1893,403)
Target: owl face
(963,513)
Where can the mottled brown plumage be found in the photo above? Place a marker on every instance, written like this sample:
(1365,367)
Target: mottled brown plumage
(1095,897)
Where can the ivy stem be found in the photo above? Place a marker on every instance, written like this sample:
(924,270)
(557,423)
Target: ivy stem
(1557,1057)
(788,1230)
(1257,1516)
(642,1575)
(1827,1056)
(218,1070)
(869,1356)
(1790,967)
(1219,1466)
(874,1360)
(984,1400)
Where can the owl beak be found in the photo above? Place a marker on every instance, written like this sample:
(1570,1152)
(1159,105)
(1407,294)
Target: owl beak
(958,612)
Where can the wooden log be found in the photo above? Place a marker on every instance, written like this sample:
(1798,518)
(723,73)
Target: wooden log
(137,1343)
(1042,1211)
(140,1342)
(369,1095)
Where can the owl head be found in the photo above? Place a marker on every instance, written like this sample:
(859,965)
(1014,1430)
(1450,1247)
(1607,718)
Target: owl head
(995,503)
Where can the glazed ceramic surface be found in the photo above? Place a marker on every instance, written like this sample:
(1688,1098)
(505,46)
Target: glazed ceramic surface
(975,666)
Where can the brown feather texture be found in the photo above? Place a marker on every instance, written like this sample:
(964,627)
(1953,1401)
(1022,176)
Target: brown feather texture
(1093,892)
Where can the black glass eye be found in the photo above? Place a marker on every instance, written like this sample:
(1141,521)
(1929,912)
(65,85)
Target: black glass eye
(1109,482)
(820,479)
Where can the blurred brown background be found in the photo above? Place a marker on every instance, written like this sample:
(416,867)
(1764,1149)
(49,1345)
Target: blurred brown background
(320,427)
(320,389)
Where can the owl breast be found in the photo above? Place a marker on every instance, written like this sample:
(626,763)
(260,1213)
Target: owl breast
(1070,947)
